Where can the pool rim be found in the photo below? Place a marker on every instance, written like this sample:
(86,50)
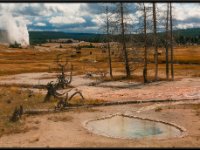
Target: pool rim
(183,131)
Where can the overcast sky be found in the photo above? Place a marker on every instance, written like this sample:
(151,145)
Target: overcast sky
(86,17)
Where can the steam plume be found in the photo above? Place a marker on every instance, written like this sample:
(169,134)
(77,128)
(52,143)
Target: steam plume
(15,30)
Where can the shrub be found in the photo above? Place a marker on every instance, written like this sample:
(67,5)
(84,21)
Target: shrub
(15,45)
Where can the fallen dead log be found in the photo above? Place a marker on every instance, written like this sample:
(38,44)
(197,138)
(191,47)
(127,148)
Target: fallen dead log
(45,111)
(38,111)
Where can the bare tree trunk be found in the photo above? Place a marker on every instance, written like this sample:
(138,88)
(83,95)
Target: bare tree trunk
(155,42)
(167,43)
(171,43)
(145,46)
(108,44)
(128,73)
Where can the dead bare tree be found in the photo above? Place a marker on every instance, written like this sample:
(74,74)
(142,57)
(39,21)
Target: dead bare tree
(108,42)
(155,41)
(142,38)
(167,43)
(125,53)
(171,42)
(145,45)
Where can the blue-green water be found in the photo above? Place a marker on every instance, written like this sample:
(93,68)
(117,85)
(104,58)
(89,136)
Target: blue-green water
(127,127)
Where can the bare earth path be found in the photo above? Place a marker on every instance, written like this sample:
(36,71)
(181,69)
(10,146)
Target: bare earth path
(187,88)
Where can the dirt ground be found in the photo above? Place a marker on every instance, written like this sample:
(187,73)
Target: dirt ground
(66,129)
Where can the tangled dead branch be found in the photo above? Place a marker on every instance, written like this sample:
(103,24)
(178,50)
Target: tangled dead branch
(64,101)
(62,79)
(63,98)
(51,91)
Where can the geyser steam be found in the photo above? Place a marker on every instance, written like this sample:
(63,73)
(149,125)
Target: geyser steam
(15,30)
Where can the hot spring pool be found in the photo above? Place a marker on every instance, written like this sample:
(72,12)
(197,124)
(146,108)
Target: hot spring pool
(126,127)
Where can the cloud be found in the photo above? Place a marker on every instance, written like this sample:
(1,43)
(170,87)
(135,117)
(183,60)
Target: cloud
(90,16)
(94,8)
(184,11)
(193,22)
(186,15)
(66,20)
(40,24)
(187,25)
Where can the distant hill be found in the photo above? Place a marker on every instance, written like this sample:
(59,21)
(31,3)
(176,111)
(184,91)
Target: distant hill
(36,37)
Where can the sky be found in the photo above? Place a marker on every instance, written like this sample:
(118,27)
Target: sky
(88,17)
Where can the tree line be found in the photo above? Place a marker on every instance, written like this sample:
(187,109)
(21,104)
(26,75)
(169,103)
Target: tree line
(182,37)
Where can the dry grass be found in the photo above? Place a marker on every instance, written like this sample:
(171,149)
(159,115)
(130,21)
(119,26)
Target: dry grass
(77,101)
(81,110)
(60,118)
(183,55)
(158,109)
(194,107)
(12,97)
(17,61)
(185,106)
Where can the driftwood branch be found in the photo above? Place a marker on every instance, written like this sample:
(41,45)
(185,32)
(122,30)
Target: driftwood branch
(63,101)
(77,92)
